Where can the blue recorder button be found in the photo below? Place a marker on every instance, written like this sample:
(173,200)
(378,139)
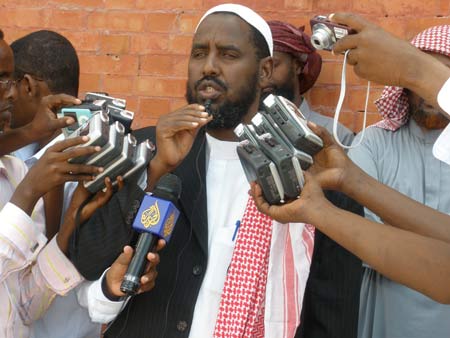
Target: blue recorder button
(156,216)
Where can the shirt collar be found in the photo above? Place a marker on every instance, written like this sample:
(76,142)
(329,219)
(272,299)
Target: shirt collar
(428,136)
(221,150)
(2,165)
(39,154)
(305,109)
(27,151)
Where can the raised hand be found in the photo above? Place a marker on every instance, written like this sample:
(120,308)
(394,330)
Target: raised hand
(331,165)
(175,134)
(310,205)
(403,65)
(52,170)
(80,195)
(176,131)
(45,123)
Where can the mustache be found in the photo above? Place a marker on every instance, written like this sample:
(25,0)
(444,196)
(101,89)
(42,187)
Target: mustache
(220,83)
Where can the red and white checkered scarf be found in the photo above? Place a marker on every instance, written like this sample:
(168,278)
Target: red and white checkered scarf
(393,103)
(263,290)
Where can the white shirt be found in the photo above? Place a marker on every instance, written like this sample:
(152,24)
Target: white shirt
(227,195)
(441,149)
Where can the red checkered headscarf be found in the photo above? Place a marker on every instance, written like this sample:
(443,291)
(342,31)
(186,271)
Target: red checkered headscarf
(288,39)
(393,104)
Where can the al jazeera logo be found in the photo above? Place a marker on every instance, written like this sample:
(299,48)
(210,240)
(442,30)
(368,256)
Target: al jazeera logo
(151,216)
(170,223)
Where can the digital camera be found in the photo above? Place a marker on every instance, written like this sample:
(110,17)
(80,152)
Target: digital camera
(326,33)
(292,123)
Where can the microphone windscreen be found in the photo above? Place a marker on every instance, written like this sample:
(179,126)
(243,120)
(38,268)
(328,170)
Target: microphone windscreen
(168,188)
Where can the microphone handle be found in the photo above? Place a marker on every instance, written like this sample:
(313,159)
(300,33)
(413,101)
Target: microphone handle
(131,281)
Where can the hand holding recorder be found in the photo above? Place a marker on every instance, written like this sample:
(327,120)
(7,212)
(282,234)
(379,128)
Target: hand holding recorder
(276,147)
(44,124)
(119,154)
(53,170)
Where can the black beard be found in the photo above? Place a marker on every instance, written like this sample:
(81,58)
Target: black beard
(286,90)
(426,119)
(229,114)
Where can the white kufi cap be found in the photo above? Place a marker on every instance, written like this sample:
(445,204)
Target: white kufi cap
(249,16)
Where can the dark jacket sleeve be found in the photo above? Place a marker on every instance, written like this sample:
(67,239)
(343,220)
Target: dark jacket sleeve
(97,243)
(331,301)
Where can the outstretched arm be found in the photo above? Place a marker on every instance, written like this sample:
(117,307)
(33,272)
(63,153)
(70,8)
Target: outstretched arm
(412,247)
(420,262)
(334,170)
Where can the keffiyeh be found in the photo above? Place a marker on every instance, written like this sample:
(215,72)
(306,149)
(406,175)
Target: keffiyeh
(393,103)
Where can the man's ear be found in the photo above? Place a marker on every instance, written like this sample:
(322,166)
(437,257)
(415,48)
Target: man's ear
(29,86)
(298,66)
(265,71)
(35,89)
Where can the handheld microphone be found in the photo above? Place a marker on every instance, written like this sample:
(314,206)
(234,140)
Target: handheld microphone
(155,219)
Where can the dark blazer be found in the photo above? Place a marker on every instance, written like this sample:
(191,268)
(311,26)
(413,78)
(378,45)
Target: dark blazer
(167,310)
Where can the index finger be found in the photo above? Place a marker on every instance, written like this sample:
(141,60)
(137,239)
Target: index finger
(67,143)
(260,202)
(322,133)
(161,244)
(58,100)
(347,42)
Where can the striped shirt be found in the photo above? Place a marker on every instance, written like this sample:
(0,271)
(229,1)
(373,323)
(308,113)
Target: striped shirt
(32,272)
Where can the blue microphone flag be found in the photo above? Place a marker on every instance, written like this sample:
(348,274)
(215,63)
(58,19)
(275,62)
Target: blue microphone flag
(156,216)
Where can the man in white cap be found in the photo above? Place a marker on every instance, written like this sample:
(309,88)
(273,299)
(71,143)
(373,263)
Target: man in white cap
(228,271)
(230,61)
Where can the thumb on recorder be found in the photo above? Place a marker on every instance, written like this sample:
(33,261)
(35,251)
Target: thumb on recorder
(155,220)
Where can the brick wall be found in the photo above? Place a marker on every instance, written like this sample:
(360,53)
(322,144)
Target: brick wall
(137,49)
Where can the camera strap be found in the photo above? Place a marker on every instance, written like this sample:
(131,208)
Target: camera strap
(341,101)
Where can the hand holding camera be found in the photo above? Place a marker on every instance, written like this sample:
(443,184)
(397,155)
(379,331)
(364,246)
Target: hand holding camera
(326,33)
